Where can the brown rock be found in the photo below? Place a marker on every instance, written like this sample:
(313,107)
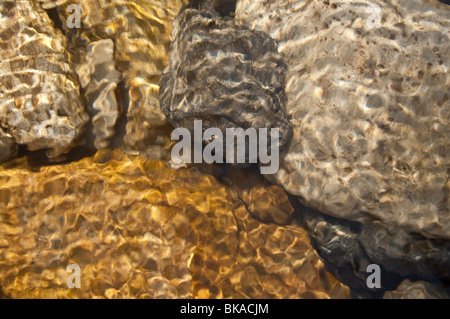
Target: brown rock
(139,229)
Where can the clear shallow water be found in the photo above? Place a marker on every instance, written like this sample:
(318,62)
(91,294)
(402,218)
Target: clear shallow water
(369,149)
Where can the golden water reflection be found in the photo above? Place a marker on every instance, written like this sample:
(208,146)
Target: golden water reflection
(139,229)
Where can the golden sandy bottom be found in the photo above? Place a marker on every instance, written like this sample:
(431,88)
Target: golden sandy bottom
(139,229)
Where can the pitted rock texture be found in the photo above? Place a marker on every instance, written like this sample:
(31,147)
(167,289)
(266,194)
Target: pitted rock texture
(369,102)
(225,75)
(140,33)
(416,290)
(139,229)
(40,106)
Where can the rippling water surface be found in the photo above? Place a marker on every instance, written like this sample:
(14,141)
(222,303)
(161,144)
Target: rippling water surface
(87,179)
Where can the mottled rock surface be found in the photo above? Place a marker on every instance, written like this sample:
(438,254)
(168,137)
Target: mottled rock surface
(370,107)
(416,290)
(140,33)
(349,247)
(139,229)
(40,106)
(225,75)
(368,98)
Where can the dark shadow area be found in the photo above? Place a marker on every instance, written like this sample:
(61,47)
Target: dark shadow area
(226,8)
(54,16)
(123,101)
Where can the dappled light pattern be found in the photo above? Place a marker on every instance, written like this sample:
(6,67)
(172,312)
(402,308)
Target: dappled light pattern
(369,104)
(139,229)
(40,105)
(225,75)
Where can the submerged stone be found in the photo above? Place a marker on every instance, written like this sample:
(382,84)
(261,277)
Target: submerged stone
(225,75)
(138,229)
(40,106)
(370,107)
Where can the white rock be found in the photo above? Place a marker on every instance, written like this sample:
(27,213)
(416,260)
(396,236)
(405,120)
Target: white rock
(368,96)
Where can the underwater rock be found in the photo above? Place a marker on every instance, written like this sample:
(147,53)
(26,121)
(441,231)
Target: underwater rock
(348,248)
(40,106)
(138,229)
(140,32)
(416,290)
(369,101)
(225,75)
(8,147)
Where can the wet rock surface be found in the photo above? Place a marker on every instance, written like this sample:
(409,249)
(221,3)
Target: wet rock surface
(40,106)
(367,96)
(139,229)
(265,202)
(225,75)
(337,242)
